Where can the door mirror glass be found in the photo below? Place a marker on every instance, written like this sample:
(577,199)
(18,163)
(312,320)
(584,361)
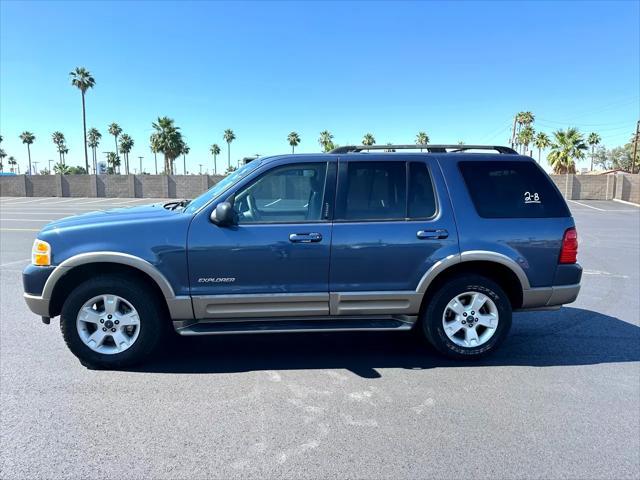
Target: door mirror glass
(224,215)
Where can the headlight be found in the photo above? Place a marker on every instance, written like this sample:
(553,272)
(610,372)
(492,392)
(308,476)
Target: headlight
(41,253)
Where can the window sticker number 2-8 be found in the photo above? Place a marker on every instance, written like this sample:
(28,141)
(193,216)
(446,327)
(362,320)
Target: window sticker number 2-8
(531,197)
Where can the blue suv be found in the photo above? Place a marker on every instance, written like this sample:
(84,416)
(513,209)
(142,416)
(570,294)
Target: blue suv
(447,242)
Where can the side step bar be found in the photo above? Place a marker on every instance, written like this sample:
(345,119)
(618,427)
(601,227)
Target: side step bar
(353,324)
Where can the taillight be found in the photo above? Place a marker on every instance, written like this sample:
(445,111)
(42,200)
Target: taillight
(569,251)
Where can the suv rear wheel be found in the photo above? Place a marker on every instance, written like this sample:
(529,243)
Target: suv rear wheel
(112,322)
(467,317)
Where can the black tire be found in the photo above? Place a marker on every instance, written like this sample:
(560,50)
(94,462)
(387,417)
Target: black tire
(153,321)
(431,321)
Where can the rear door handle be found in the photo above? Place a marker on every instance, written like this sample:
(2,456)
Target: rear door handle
(305,237)
(432,234)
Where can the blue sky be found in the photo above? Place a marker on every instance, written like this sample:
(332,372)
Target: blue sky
(457,70)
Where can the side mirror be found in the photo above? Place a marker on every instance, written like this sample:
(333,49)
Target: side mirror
(224,215)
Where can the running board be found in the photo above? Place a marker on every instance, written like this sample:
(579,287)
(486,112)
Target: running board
(203,327)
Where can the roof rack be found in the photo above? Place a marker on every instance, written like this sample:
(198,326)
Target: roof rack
(429,148)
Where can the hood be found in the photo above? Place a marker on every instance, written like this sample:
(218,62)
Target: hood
(116,215)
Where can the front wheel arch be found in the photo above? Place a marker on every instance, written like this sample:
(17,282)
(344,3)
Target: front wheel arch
(77,275)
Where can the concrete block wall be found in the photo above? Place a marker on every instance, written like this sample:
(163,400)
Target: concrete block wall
(151,186)
(78,185)
(628,188)
(187,186)
(596,187)
(13,186)
(574,187)
(43,185)
(592,187)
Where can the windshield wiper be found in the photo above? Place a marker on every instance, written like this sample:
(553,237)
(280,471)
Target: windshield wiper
(176,204)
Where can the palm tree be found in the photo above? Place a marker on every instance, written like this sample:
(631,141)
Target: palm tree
(13,162)
(215,151)
(568,146)
(28,138)
(114,160)
(326,140)
(169,141)
(61,169)
(115,130)
(422,139)
(82,79)
(154,145)
(525,137)
(522,119)
(294,140)
(64,150)
(368,139)
(126,144)
(525,118)
(541,142)
(229,137)
(93,141)
(593,139)
(185,152)
(58,140)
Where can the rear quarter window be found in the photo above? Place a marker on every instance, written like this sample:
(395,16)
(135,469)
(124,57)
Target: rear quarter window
(503,189)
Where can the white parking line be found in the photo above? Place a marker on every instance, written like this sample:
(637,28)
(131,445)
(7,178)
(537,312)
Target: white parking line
(68,200)
(2,219)
(626,203)
(38,200)
(49,212)
(588,206)
(15,263)
(19,229)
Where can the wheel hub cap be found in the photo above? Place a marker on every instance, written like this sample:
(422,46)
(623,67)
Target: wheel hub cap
(108,324)
(470,319)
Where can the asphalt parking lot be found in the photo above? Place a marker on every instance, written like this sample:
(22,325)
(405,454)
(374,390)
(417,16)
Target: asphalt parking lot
(560,399)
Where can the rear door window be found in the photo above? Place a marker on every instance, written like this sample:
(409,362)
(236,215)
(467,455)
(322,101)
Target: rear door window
(375,191)
(503,189)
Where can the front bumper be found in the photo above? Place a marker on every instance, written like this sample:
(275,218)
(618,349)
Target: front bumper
(37,304)
(34,279)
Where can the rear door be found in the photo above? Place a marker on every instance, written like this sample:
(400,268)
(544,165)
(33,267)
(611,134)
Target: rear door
(393,222)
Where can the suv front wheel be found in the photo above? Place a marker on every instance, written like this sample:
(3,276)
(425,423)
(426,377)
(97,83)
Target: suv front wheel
(112,322)
(467,317)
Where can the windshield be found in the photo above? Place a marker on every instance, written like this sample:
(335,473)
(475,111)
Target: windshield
(222,186)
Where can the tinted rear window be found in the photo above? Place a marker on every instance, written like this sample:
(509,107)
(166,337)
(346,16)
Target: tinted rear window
(376,191)
(505,189)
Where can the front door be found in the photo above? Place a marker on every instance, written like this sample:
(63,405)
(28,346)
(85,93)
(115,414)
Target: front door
(391,226)
(275,261)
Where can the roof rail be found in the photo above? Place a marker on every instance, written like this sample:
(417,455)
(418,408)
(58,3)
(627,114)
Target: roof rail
(431,148)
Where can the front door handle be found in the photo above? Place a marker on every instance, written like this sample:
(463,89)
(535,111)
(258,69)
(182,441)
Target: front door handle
(432,234)
(305,237)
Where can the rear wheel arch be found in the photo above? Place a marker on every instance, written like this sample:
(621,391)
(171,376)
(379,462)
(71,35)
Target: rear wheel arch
(500,273)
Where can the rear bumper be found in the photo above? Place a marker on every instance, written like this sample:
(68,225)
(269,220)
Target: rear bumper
(549,296)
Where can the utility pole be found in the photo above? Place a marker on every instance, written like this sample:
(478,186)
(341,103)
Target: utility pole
(141,171)
(200,168)
(50,171)
(636,139)
(513,131)
(35,167)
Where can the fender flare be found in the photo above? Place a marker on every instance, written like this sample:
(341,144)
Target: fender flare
(107,257)
(471,256)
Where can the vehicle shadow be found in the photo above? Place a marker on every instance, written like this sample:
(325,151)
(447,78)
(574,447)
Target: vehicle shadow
(570,336)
